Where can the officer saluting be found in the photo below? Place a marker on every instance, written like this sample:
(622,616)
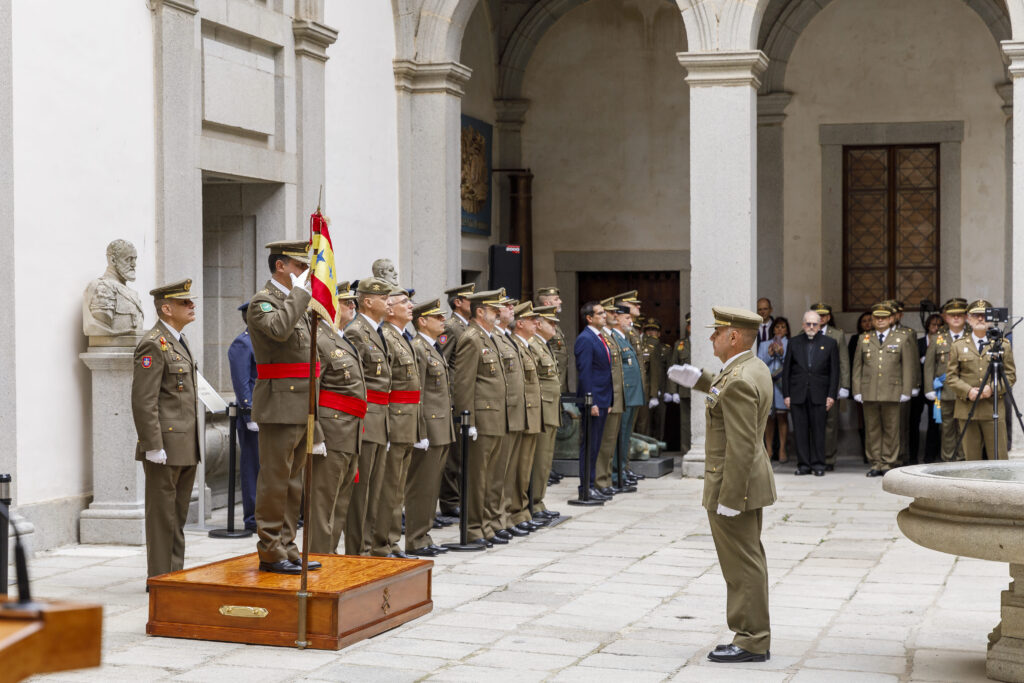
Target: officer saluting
(280,334)
(164,409)
(738,478)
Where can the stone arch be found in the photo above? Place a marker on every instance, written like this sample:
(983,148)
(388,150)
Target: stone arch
(430,31)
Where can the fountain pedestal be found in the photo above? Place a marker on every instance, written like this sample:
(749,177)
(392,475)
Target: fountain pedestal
(1006,642)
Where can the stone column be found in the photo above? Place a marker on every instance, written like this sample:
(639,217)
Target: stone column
(1014,53)
(430,173)
(117,513)
(1005,660)
(723,200)
(510,115)
(770,186)
(311,42)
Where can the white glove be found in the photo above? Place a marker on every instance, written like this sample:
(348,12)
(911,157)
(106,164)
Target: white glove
(387,448)
(844,393)
(158,456)
(727,512)
(858,398)
(686,375)
(653,403)
(922,360)
(252,426)
(915,392)
(904,398)
(675,398)
(930,396)
(301,280)
(422,445)
(472,433)
(320,449)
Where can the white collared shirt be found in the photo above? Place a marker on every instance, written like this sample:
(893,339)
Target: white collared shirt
(525,342)
(594,330)
(732,359)
(459,316)
(885,334)
(284,289)
(375,325)
(619,332)
(174,332)
(401,332)
(427,337)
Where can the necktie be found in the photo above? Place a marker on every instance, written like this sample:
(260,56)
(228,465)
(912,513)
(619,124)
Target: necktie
(606,351)
(810,352)
(383,342)
(183,343)
(438,347)
(881,338)
(981,346)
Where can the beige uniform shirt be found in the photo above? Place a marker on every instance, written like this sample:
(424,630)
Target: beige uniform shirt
(515,384)
(376,375)
(550,384)
(341,372)
(884,372)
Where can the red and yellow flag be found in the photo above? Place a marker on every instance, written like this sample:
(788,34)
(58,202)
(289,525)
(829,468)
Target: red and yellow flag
(324,278)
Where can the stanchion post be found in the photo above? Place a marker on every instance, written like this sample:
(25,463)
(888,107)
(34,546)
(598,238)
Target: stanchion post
(230,532)
(584,490)
(464,545)
(5,502)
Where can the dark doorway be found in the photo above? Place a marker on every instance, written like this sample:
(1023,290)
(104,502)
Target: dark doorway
(659,292)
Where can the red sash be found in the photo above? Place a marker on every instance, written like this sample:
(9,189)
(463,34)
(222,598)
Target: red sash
(284,371)
(405,397)
(346,404)
(378,397)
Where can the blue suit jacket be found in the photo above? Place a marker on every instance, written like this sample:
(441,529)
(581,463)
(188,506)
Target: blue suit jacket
(593,369)
(243,370)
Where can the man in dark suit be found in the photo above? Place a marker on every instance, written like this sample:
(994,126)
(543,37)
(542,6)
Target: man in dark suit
(764,329)
(810,382)
(243,378)
(593,376)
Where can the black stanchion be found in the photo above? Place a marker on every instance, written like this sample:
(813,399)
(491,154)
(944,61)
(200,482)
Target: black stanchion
(5,507)
(584,489)
(464,546)
(231,532)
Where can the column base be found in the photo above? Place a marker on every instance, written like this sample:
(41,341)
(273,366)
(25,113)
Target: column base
(693,461)
(1005,661)
(121,523)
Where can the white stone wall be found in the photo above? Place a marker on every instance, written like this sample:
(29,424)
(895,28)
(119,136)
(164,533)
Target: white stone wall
(607,133)
(877,61)
(361,190)
(84,175)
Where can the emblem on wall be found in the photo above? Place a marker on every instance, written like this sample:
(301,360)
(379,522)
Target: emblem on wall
(476,176)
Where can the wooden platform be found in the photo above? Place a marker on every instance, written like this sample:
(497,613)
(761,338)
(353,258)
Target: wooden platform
(351,598)
(55,637)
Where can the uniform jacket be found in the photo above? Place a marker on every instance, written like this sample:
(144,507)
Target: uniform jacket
(242,363)
(680,355)
(737,471)
(341,371)
(403,418)
(454,328)
(436,404)
(164,398)
(515,384)
(376,376)
(803,383)
(480,382)
(531,386)
(884,372)
(617,380)
(560,350)
(632,382)
(653,363)
(550,384)
(936,359)
(911,336)
(965,370)
(844,355)
(593,368)
(279,331)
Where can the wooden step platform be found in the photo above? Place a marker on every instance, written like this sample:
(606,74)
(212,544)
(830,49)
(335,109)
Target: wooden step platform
(351,598)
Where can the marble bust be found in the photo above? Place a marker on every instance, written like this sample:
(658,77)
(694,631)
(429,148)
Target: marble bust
(384,269)
(109,306)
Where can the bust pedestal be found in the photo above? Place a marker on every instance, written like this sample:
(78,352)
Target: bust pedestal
(117,513)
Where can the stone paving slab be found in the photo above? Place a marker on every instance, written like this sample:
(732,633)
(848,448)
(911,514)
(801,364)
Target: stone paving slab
(630,591)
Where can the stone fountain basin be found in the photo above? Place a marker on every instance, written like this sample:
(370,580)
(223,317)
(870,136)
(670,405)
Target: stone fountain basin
(974,509)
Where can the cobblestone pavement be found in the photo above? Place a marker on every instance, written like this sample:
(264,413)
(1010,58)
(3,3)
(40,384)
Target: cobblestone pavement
(627,592)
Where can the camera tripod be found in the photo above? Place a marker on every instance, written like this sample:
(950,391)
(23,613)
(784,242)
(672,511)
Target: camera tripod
(995,372)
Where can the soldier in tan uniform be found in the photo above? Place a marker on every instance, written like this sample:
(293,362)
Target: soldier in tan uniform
(550,296)
(936,360)
(681,395)
(652,362)
(458,301)
(164,409)
(280,332)
(832,416)
(364,334)
(738,480)
(883,377)
(910,336)
(341,408)
(496,508)
(517,491)
(610,435)
(404,428)
(421,485)
(480,389)
(968,360)
(550,409)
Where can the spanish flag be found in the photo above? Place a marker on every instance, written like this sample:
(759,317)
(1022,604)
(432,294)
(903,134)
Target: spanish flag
(324,278)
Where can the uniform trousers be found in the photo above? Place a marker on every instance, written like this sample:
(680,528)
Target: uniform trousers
(279,490)
(686,439)
(643,420)
(542,458)
(950,431)
(809,429)
(904,456)
(596,431)
(480,462)
(832,434)
(168,493)
(496,515)
(421,488)
(745,570)
(387,529)
(333,477)
(609,442)
(981,433)
(624,442)
(361,514)
(448,499)
(882,434)
(249,468)
(519,494)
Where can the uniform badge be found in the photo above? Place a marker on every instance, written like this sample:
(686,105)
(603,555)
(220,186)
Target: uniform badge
(147,362)
(163,344)
(485,351)
(443,339)
(714,390)
(265,307)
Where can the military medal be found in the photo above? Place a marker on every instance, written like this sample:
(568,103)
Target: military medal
(163,344)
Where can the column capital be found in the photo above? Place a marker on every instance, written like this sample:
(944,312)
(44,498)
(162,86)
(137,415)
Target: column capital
(443,77)
(724,68)
(771,108)
(184,6)
(1013,56)
(510,114)
(312,39)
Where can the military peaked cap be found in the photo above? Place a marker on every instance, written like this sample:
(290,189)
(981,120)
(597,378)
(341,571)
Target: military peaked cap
(955,305)
(345,292)
(372,285)
(461,290)
(432,307)
(293,249)
(174,290)
(525,310)
(547,312)
(979,306)
(491,297)
(821,308)
(883,309)
(740,318)
(548,291)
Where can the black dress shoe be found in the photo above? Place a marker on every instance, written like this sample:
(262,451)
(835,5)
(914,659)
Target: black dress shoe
(453,512)
(631,473)
(527,527)
(732,653)
(439,549)
(313,564)
(515,531)
(874,473)
(552,513)
(497,540)
(628,488)
(799,472)
(597,495)
(819,473)
(484,542)
(281,567)
(608,491)
(504,534)
(541,521)
(437,524)
(424,552)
